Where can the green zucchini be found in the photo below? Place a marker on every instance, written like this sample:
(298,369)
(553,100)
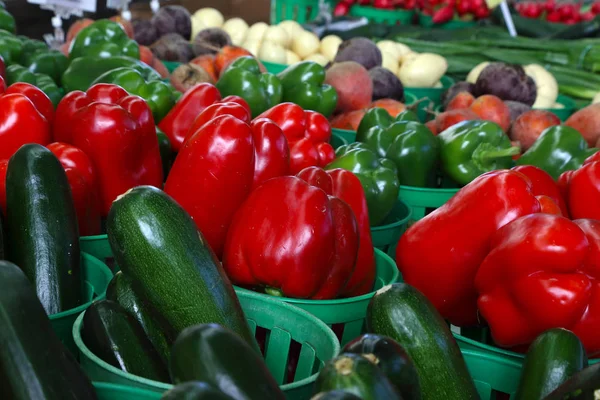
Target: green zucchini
(405,315)
(42,227)
(120,290)
(335,395)
(34,364)
(157,245)
(553,357)
(166,154)
(583,385)
(357,375)
(217,356)
(392,359)
(115,336)
(194,391)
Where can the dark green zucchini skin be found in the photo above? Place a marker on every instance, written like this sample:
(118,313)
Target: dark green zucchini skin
(42,227)
(115,336)
(157,245)
(34,364)
(404,314)
(194,391)
(552,358)
(215,355)
(581,386)
(392,359)
(335,395)
(120,290)
(357,375)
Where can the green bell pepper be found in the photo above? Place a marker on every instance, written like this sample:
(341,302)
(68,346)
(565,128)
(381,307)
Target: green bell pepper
(83,71)
(378,177)
(7,21)
(243,78)
(157,94)
(407,115)
(558,149)
(103,38)
(303,84)
(166,152)
(472,148)
(18,73)
(32,45)
(410,145)
(49,62)
(11,48)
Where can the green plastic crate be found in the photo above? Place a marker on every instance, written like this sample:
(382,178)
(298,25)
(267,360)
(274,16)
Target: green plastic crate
(274,68)
(96,276)
(171,65)
(348,135)
(420,199)
(426,21)
(492,375)
(346,316)
(285,323)
(387,234)
(428,98)
(97,246)
(569,107)
(380,16)
(109,391)
(301,11)
(337,140)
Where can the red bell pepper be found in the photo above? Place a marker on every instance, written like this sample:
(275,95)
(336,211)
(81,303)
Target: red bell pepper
(176,124)
(118,134)
(217,109)
(217,168)
(25,116)
(308,134)
(582,188)
(543,184)
(551,280)
(292,239)
(347,187)
(82,179)
(440,254)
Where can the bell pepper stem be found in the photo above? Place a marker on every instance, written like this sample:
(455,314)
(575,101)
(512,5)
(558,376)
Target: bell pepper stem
(273,292)
(490,154)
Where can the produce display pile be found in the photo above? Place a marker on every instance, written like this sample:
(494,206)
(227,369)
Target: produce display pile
(198,208)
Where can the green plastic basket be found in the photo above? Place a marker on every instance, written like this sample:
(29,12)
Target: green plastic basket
(301,11)
(109,391)
(286,324)
(96,276)
(387,234)
(274,68)
(569,107)
(347,135)
(420,199)
(492,375)
(379,16)
(97,246)
(346,316)
(337,140)
(171,65)
(426,21)
(428,98)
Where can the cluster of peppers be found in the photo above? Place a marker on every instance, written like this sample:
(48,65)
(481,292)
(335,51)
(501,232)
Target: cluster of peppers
(530,265)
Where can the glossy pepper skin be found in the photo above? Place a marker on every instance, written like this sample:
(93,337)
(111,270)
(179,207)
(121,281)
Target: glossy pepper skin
(117,132)
(308,134)
(243,78)
(11,48)
(378,176)
(441,253)
(303,84)
(304,245)
(158,94)
(409,145)
(558,149)
(82,180)
(7,21)
(346,186)
(48,62)
(542,184)
(83,71)
(551,280)
(224,107)
(17,73)
(166,154)
(25,112)
(582,190)
(472,148)
(176,124)
(103,38)
(227,158)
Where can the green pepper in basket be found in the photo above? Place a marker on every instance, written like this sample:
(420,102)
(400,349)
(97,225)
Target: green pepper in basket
(558,149)
(49,62)
(85,70)
(158,94)
(31,46)
(7,21)
(103,38)
(11,47)
(472,148)
(243,78)
(410,145)
(303,84)
(18,73)
(378,177)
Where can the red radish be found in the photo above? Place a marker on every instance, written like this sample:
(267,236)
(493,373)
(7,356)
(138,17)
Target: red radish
(410,4)
(588,16)
(444,14)
(450,118)
(553,16)
(461,100)
(530,125)
(595,8)
(463,7)
(482,13)
(341,9)
(550,5)
(364,2)
(491,108)
(383,4)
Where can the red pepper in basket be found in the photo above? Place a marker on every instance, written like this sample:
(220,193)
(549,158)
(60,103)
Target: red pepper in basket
(441,253)
(542,272)
(118,134)
(218,166)
(582,188)
(293,240)
(308,134)
(222,108)
(82,180)
(543,184)
(347,187)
